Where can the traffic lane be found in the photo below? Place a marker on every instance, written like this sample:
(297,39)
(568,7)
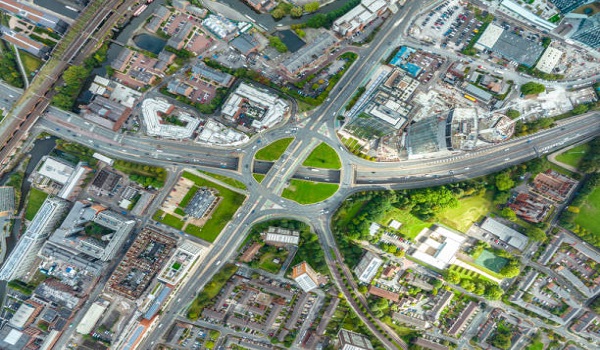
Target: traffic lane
(318,175)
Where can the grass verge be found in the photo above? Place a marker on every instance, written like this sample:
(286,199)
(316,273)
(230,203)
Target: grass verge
(231,182)
(258,177)
(573,156)
(323,156)
(273,151)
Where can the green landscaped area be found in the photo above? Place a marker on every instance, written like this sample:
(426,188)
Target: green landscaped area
(469,210)
(411,225)
(35,199)
(229,204)
(470,275)
(490,261)
(590,212)
(231,182)
(273,151)
(309,192)
(573,156)
(323,156)
(168,219)
(268,262)
(30,62)
(537,345)
(258,177)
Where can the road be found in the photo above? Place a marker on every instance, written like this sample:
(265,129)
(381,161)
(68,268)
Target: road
(264,200)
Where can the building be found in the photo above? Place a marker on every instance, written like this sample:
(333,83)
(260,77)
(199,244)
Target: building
(115,91)
(509,45)
(438,246)
(154,111)
(360,16)
(367,267)
(25,252)
(92,316)
(530,207)
(245,44)
(105,112)
(202,203)
(505,233)
(311,54)
(353,341)
(22,11)
(7,201)
(566,6)
(588,31)
(410,321)
(278,236)
(305,276)
(160,15)
(178,40)
(221,27)
(549,60)
(23,316)
(211,75)
(463,319)
(254,107)
(428,344)
(180,263)
(382,293)
(441,303)
(106,181)
(24,42)
(554,186)
(56,170)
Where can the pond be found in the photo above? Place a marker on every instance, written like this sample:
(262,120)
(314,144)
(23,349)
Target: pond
(149,42)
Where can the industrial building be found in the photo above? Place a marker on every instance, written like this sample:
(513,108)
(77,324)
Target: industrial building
(92,316)
(505,233)
(220,26)
(311,54)
(105,112)
(278,236)
(245,44)
(20,10)
(549,60)
(7,201)
(154,109)
(305,276)
(438,246)
(357,18)
(254,107)
(353,341)
(367,267)
(509,45)
(114,91)
(23,255)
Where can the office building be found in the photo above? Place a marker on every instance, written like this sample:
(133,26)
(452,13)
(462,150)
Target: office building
(367,267)
(353,341)
(305,276)
(44,222)
(33,15)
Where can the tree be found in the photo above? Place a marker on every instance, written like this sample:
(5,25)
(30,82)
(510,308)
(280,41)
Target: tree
(311,7)
(580,109)
(300,32)
(510,271)
(532,88)
(508,214)
(278,13)
(362,289)
(513,113)
(536,234)
(573,209)
(501,197)
(493,292)
(276,42)
(453,277)
(296,12)
(504,182)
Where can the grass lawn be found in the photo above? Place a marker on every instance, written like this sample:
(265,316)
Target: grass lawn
(562,170)
(273,151)
(468,274)
(344,217)
(491,262)
(323,156)
(468,211)
(168,219)
(258,177)
(266,261)
(411,225)
(229,204)
(538,345)
(308,192)
(589,212)
(30,62)
(231,182)
(573,156)
(35,199)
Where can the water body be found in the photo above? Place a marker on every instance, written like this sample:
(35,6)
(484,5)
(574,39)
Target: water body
(149,42)
(269,22)
(58,7)
(291,40)
(40,149)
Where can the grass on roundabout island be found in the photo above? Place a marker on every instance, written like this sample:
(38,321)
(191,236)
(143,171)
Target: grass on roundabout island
(273,151)
(324,157)
(309,192)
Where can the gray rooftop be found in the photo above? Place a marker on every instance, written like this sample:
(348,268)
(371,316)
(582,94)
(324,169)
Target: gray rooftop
(516,48)
(209,73)
(309,53)
(244,43)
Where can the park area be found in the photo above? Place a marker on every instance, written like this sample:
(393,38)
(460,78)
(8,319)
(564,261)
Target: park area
(411,225)
(324,157)
(490,261)
(273,151)
(34,201)
(222,214)
(573,156)
(308,192)
(590,212)
(469,210)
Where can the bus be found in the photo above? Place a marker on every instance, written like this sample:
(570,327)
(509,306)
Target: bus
(470,98)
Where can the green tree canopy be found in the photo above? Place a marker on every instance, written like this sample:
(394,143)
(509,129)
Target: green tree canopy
(508,214)
(278,13)
(296,11)
(532,88)
(276,42)
(504,182)
(311,6)
(537,234)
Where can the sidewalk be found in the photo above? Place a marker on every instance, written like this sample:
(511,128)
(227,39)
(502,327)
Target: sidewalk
(552,158)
